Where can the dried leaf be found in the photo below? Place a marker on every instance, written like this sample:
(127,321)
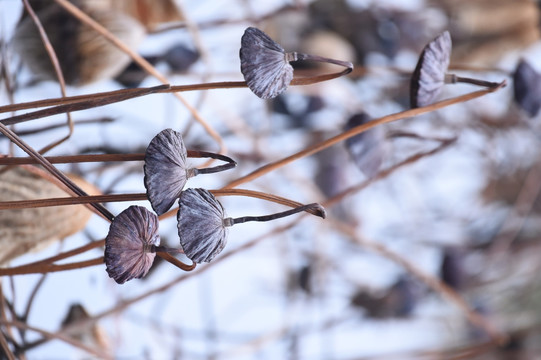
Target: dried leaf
(429,75)
(165,169)
(264,64)
(84,55)
(527,88)
(201,225)
(25,230)
(128,244)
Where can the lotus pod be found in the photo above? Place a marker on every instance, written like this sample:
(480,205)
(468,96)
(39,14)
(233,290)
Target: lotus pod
(429,75)
(25,230)
(367,149)
(201,226)
(165,169)
(264,64)
(129,244)
(527,88)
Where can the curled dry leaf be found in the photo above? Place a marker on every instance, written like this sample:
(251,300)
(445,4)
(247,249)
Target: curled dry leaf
(25,230)
(527,88)
(84,55)
(129,251)
(165,169)
(201,225)
(368,148)
(429,75)
(264,64)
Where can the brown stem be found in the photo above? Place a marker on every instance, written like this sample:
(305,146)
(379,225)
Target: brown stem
(357,130)
(71,159)
(54,171)
(173,260)
(58,71)
(100,29)
(81,105)
(48,268)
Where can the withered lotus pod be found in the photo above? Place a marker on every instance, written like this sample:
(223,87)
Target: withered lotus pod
(429,75)
(368,148)
(264,64)
(130,243)
(202,223)
(527,88)
(201,226)
(166,170)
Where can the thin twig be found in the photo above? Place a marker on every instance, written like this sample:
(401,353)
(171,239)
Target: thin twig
(59,336)
(53,170)
(75,11)
(433,282)
(48,268)
(357,130)
(58,72)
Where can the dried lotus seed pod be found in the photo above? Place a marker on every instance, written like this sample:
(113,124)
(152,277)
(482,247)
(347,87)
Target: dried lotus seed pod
(367,149)
(527,88)
(201,225)
(429,75)
(130,243)
(264,64)
(166,170)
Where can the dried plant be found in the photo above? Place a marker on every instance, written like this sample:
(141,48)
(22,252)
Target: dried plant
(38,192)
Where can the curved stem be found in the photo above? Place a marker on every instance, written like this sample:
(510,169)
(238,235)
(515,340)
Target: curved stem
(316,206)
(346,64)
(173,260)
(266,196)
(357,130)
(453,79)
(203,154)
(63,201)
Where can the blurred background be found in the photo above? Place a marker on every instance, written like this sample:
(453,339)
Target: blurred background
(297,288)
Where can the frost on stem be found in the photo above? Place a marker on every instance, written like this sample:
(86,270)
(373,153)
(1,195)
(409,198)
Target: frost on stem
(527,88)
(264,64)
(429,75)
(130,243)
(166,170)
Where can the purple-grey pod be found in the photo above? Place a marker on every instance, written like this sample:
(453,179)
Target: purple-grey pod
(201,225)
(264,64)
(429,75)
(166,170)
(129,245)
